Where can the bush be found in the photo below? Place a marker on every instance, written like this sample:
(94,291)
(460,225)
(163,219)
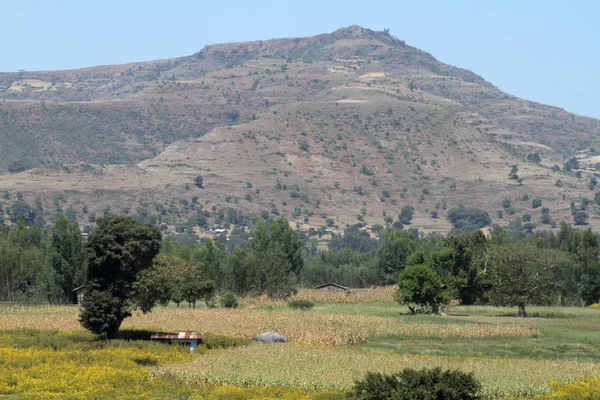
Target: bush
(229,300)
(410,384)
(199,181)
(301,304)
(465,219)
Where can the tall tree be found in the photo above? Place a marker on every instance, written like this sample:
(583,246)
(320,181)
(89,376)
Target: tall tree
(463,260)
(522,274)
(278,249)
(117,250)
(420,284)
(395,249)
(162,282)
(66,256)
(209,256)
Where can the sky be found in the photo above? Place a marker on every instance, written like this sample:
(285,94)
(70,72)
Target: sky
(545,51)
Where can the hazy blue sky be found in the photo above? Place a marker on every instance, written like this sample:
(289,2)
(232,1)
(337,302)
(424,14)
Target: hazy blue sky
(547,51)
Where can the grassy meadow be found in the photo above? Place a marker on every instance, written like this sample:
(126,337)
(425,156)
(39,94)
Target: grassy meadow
(45,354)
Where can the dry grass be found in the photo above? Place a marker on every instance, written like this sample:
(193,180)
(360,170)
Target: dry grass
(323,368)
(299,327)
(380,294)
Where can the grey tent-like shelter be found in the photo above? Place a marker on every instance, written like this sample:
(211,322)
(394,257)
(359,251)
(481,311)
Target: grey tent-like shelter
(271,337)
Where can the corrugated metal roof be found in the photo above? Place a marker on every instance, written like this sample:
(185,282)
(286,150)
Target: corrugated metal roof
(177,335)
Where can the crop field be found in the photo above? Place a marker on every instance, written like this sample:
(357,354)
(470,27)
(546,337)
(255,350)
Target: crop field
(334,329)
(267,365)
(45,354)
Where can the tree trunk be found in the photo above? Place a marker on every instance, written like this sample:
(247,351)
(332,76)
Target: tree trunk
(435,308)
(522,312)
(113,331)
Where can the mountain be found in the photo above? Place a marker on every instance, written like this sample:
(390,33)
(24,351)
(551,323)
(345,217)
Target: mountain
(349,125)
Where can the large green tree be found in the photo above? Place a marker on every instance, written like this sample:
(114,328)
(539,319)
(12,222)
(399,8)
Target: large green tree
(25,273)
(395,249)
(278,250)
(117,250)
(66,256)
(162,282)
(522,274)
(463,259)
(421,285)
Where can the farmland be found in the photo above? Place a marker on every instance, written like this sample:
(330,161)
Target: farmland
(330,346)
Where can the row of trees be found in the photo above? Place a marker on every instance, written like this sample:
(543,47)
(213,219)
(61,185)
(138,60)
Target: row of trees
(128,271)
(127,265)
(41,265)
(542,268)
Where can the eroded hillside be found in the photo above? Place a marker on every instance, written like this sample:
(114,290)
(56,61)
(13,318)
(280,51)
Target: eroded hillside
(346,126)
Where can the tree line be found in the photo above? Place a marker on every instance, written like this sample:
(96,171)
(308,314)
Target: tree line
(126,264)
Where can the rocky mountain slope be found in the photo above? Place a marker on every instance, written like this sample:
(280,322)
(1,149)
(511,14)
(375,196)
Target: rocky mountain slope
(343,126)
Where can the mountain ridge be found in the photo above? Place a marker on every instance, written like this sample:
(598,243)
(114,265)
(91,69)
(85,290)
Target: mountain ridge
(341,118)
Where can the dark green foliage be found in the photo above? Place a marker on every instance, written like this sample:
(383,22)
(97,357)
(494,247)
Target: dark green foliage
(67,256)
(103,313)
(197,287)
(366,171)
(513,172)
(546,218)
(229,300)
(398,225)
(393,253)
(301,304)
(571,164)
(535,203)
(278,252)
(117,250)
(521,274)
(410,384)
(534,157)
(25,273)
(465,219)
(419,284)
(462,260)
(580,217)
(232,117)
(22,209)
(406,214)
(199,181)
(353,238)
(303,145)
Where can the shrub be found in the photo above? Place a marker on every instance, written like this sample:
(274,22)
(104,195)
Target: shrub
(406,214)
(301,304)
(410,384)
(465,219)
(229,300)
(535,203)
